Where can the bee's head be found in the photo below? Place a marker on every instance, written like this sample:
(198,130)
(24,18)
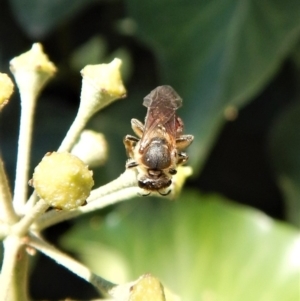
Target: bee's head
(156,183)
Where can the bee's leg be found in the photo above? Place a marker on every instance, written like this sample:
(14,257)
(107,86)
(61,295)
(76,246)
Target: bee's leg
(131,163)
(179,125)
(184,141)
(137,127)
(130,143)
(164,193)
(146,194)
(182,158)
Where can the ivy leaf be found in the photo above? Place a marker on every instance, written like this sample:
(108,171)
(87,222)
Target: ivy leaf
(200,247)
(217,54)
(38,18)
(285,153)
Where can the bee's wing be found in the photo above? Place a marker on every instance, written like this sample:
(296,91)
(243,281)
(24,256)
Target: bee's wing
(163,96)
(158,122)
(162,103)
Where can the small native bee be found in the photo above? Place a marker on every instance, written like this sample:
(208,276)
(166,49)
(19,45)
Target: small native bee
(159,149)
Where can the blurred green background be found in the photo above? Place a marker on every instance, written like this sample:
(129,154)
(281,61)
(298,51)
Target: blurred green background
(236,64)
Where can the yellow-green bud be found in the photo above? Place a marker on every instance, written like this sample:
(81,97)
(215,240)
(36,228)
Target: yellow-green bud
(32,70)
(6,89)
(101,85)
(147,288)
(91,148)
(62,180)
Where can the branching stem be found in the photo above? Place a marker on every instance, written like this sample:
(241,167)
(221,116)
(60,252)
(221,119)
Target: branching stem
(7,213)
(28,102)
(74,131)
(14,271)
(21,228)
(70,263)
(54,217)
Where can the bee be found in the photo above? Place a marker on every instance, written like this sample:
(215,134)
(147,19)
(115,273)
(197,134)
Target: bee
(158,150)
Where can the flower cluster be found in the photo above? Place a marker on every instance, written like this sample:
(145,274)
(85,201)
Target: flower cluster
(62,180)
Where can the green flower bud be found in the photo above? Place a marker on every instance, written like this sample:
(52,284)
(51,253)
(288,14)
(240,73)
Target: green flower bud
(91,148)
(101,85)
(32,70)
(147,288)
(62,180)
(6,89)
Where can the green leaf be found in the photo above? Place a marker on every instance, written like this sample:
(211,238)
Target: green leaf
(91,52)
(285,153)
(216,54)
(38,18)
(201,247)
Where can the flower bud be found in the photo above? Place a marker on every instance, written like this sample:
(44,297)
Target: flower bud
(145,288)
(6,89)
(101,85)
(32,70)
(91,148)
(62,180)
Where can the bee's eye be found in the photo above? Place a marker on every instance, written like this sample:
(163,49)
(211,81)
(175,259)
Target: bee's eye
(142,184)
(172,171)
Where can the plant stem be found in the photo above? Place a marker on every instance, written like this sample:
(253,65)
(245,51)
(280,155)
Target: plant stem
(4,230)
(21,228)
(118,190)
(127,179)
(7,213)
(28,102)
(54,217)
(31,202)
(75,130)
(70,263)
(13,278)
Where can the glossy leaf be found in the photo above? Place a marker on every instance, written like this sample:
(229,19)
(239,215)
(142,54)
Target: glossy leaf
(201,247)
(37,18)
(217,54)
